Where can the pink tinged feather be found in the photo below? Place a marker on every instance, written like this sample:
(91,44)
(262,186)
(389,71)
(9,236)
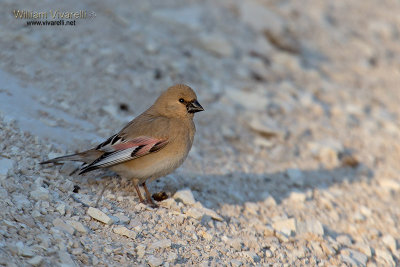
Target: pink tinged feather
(129,150)
(138,141)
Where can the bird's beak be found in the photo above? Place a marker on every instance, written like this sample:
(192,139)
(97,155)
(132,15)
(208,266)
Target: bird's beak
(194,106)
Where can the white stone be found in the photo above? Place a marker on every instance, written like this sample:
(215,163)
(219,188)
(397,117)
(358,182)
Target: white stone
(5,166)
(211,213)
(67,186)
(115,219)
(268,230)
(286,226)
(251,255)
(122,230)
(385,255)
(216,44)
(60,224)
(185,195)
(172,256)
(207,236)
(389,184)
(344,240)
(235,243)
(168,203)
(40,194)
(300,252)
(78,226)
(61,209)
(347,259)
(297,197)
(123,218)
(358,217)
(164,243)
(135,224)
(195,213)
(390,242)
(66,259)
(9,224)
(251,207)
(141,250)
(26,252)
(85,199)
(99,215)
(353,256)
(262,142)
(364,248)
(317,248)
(77,251)
(268,253)
(284,234)
(20,201)
(17,247)
(310,226)
(326,151)
(36,214)
(259,17)
(154,261)
(236,263)
(265,127)
(270,201)
(365,211)
(35,261)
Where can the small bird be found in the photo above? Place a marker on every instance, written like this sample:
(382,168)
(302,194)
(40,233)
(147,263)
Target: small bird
(152,145)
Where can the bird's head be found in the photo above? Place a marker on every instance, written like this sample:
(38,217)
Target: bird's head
(178,101)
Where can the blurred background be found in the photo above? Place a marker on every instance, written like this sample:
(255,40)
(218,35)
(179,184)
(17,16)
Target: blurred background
(301,98)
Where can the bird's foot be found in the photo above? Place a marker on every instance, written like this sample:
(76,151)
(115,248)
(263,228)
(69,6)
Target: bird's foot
(150,201)
(153,205)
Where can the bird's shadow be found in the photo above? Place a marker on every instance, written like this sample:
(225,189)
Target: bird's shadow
(238,188)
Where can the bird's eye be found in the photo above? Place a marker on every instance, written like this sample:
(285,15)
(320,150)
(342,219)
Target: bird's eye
(181,100)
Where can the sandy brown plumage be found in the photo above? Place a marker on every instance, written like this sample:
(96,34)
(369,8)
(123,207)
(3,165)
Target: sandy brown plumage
(152,145)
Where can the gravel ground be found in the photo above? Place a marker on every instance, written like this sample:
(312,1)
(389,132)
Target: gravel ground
(295,160)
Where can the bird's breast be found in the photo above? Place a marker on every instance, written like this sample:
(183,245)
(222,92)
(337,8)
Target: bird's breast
(164,161)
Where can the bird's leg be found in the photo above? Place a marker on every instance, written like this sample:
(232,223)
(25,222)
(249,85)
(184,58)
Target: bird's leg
(148,196)
(139,194)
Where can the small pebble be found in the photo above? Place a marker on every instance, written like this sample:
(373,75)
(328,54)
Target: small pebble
(165,243)
(154,261)
(122,230)
(36,261)
(60,224)
(99,215)
(185,195)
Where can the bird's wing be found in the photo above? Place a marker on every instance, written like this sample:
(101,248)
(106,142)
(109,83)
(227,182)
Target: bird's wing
(118,150)
(109,145)
(139,130)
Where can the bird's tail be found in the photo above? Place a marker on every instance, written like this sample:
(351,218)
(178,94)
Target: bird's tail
(86,157)
(73,157)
